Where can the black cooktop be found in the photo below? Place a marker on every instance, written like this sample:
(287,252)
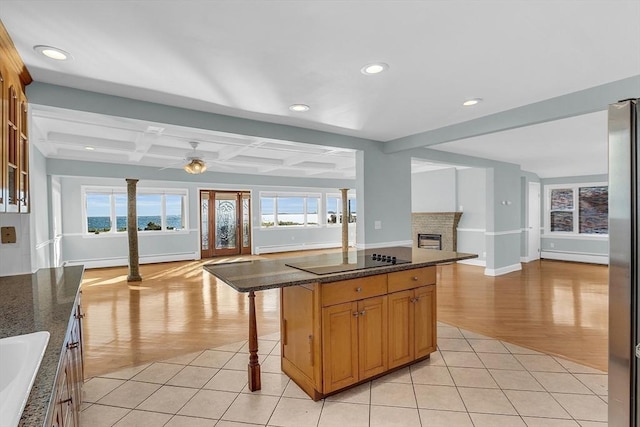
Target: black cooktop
(358,263)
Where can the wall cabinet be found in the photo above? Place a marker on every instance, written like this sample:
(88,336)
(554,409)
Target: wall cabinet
(14,151)
(342,333)
(67,394)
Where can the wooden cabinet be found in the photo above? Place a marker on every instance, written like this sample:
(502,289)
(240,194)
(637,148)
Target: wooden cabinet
(354,342)
(14,150)
(411,318)
(67,394)
(342,333)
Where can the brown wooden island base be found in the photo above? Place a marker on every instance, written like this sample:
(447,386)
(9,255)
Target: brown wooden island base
(345,317)
(340,334)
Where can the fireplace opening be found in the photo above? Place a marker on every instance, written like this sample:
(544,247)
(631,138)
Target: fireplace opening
(430,241)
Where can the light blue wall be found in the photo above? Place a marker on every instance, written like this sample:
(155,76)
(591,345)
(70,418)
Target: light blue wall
(434,191)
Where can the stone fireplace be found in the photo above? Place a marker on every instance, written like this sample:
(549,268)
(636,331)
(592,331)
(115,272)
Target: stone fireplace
(443,223)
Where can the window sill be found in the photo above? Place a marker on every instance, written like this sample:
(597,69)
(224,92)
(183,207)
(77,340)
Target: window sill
(575,236)
(140,234)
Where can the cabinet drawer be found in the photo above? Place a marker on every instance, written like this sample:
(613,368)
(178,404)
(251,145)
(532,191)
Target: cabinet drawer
(408,279)
(354,289)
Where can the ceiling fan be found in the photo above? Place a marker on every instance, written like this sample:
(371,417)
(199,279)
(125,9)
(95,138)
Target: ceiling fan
(196,164)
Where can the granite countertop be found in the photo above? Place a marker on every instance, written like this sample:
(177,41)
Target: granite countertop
(259,275)
(42,301)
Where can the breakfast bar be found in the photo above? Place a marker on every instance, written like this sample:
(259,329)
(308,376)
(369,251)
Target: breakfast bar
(346,317)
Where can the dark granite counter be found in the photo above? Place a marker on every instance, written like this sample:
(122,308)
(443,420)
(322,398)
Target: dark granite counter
(42,301)
(259,275)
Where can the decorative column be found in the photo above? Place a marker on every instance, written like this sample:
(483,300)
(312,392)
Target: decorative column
(132,232)
(345,222)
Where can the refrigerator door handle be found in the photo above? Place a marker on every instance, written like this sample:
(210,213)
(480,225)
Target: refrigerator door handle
(638,351)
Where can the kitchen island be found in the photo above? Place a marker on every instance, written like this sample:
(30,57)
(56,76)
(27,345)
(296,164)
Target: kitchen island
(345,317)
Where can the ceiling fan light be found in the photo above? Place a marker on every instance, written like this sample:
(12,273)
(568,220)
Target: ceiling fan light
(195,166)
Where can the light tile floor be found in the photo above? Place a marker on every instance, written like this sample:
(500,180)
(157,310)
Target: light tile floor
(472,380)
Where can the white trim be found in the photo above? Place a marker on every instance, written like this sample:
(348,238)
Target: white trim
(124,261)
(576,257)
(258,250)
(527,259)
(123,234)
(45,243)
(478,262)
(502,270)
(576,236)
(502,233)
(473,230)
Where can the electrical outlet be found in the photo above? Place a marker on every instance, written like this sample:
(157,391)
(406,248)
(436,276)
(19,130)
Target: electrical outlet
(552,245)
(377,225)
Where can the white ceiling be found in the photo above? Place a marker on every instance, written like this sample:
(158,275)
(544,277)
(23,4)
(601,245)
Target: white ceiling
(252,59)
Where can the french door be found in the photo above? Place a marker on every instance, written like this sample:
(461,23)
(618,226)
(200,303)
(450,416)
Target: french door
(225,223)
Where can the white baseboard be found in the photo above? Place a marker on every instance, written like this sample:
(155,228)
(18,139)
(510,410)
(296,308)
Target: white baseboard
(576,257)
(145,259)
(526,259)
(502,270)
(294,247)
(478,262)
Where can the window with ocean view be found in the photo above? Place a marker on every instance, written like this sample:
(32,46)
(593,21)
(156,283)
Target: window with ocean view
(289,210)
(157,210)
(334,209)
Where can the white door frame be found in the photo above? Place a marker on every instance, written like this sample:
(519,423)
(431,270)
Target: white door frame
(533,222)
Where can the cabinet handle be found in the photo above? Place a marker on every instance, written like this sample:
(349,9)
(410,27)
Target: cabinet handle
(356,314)
(414,278)
(358,289)
(69,400)
(413,300)
(73,345)
(311,349)
(362,313)
(417,299)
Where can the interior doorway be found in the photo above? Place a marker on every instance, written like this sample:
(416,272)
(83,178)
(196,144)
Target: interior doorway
(225,223)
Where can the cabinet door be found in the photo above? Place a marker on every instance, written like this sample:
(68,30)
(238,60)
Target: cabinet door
(425,321)
(401,328)
(340,346)
(372,336)
(297,328)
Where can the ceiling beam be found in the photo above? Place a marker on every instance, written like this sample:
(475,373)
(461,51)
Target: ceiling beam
(574,104)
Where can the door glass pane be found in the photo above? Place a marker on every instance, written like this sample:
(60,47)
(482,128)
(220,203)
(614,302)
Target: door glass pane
(245,222)
(225,220)
(204,215)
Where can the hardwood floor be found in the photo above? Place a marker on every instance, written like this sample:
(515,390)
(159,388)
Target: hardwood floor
(554,307)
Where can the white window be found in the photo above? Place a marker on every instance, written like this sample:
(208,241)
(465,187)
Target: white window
(334,208)
(289,210)
(105,210)
(577,209)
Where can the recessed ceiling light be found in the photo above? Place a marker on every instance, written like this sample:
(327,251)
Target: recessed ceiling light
(470,102)
(299,108)
(89,148)
(52,52)
(375,68)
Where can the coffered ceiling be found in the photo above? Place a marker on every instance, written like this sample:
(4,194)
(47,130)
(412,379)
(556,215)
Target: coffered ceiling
(253,59)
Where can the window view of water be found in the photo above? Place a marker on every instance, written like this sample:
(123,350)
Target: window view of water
(103,223)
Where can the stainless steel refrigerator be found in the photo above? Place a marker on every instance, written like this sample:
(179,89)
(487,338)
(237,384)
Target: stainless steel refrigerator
(624,353)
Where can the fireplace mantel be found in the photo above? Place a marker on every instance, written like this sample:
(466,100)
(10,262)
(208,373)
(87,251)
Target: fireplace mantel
(443,223)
